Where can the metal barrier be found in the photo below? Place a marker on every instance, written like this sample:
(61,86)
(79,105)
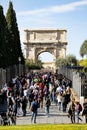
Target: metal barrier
(11,72)
(77,79)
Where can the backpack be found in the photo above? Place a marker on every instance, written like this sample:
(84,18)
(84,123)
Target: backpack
(80,107)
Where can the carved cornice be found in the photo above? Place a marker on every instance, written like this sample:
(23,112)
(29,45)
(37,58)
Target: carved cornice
(44,30)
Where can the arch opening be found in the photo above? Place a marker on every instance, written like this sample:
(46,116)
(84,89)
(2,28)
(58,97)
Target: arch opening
(46,57)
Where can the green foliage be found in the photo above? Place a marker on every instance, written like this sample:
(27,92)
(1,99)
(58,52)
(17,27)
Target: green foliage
(32,65)
(14,35)
(69,60)
(10,46)
(83,62)
(4,41)
(83,49)
(60,62)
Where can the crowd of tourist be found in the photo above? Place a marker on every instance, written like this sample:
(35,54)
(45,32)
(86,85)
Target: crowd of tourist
(34,91)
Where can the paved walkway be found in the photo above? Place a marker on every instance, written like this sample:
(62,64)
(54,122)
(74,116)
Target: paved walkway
(55,117)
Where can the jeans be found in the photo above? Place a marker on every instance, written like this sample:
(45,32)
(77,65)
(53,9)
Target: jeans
(47,110)
(24,112)
(85,118)
(59,105)
(33,116)
(18,111)
(77,117)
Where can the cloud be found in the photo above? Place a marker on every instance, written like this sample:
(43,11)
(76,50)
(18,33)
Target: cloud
(55,9)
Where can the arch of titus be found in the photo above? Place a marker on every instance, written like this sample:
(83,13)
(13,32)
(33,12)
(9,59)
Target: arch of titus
(38,41)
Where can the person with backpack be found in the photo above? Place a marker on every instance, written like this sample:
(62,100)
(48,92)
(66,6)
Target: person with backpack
(33,109)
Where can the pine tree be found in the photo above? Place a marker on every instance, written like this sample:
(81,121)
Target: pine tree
(14,33)
(4,49)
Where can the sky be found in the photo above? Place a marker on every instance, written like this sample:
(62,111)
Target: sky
(70,15)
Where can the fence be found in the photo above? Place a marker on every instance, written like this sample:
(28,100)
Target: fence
(77,80)
(11,72)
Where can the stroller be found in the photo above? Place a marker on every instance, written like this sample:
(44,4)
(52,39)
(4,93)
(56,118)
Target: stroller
(4,119)
(11,115)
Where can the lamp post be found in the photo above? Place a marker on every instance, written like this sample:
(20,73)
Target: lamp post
(19,59)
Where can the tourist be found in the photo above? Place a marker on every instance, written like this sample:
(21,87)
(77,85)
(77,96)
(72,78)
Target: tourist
(24,105)
(71,111)
(84,113)
(34,108)
(59,100)
(77,111)
(47,105)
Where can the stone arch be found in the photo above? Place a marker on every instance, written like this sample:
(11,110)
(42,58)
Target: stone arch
(45,40)
(44,49)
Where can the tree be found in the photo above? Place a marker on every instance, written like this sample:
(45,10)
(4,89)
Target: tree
(83,62)
(14,35)
(60,62)
(83,49)
(4,42)
(32,65)
(69,60)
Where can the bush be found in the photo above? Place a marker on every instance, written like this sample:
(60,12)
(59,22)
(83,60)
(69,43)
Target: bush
(83,62)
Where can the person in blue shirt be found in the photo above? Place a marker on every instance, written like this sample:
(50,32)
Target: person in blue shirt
(34,108)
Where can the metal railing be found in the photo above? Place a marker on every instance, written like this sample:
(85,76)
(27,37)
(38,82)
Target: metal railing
(78,79)
(11,72)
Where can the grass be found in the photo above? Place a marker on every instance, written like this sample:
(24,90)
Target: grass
(46,127)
